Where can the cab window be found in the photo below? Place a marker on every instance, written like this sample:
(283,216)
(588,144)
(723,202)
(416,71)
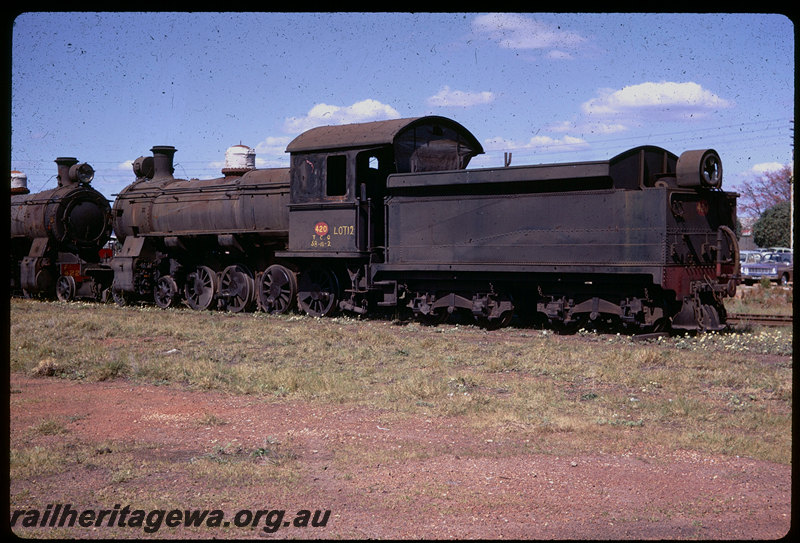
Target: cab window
(336,176)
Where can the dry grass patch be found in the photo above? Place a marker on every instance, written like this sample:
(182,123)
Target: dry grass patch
(756,299)
(561,392)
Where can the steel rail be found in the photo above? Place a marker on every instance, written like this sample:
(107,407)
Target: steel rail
(766,320)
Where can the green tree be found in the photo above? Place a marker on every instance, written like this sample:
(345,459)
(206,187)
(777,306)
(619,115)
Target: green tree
(772,227)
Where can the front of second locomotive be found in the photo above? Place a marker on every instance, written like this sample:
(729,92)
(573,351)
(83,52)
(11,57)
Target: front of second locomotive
(203,242)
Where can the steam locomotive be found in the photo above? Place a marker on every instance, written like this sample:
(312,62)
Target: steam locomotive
(205,242)
(386,215)
(58,235)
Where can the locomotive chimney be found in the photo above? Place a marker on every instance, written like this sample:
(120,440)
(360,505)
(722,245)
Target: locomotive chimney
(162,161)
(64,163)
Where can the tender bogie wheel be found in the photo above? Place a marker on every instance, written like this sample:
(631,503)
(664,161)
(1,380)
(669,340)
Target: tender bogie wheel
(165,293)
(318,292)
(435,317)
(236,288)
(277,289)
(502,321)
(65,288)
(200,288)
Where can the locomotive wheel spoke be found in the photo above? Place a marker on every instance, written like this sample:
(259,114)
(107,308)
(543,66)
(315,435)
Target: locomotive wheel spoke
(201,286)
(237,288)
(277,289)
(165,293)
(318,292)
(65,288)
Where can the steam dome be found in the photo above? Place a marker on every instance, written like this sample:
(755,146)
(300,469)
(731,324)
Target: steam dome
(19,182)
(239,159)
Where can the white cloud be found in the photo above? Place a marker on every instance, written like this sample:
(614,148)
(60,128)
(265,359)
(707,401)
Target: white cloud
(559,55)
(326,114)
(563,126)
(539,143)
(665,99)
(592,128)
(270,152)
(514,31)
(606,128)
(448,97)
(272,145)
(498,143)
(764,167)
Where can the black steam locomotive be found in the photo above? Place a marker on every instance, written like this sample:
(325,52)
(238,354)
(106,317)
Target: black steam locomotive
(385,214)
(58,235)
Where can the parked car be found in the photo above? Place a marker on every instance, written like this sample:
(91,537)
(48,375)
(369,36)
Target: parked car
(775,266)
(750,256)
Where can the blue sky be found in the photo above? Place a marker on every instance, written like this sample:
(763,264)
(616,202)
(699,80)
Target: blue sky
(106,87)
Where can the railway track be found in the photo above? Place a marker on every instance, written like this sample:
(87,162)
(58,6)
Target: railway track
(764,320)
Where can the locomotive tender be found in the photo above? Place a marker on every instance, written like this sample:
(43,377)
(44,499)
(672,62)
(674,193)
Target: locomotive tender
(385,214)
(57,236)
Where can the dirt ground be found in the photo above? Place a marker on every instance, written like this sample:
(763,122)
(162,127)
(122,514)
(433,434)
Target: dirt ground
(409,477)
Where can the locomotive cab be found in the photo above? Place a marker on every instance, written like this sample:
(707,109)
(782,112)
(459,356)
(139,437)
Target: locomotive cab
(334,196)
(337,216)
(338,179)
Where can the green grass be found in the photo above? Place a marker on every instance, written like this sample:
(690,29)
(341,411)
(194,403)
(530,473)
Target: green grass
(728,393)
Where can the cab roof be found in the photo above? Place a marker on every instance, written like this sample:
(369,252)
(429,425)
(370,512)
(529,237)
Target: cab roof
(376,133)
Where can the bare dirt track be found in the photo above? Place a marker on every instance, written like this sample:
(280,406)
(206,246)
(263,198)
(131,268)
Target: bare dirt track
(380,474)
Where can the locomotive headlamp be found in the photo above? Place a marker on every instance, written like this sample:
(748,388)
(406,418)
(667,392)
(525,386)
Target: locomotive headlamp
(711,170)
(82,173)
(143,167)
(701,168)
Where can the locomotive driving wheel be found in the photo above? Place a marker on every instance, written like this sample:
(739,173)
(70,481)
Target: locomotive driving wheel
(236,288)
(201,286)
(65,288)
(318,292)
(165,293)
(277,289)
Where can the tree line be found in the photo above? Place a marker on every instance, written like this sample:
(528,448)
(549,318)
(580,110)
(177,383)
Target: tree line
(768,196)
